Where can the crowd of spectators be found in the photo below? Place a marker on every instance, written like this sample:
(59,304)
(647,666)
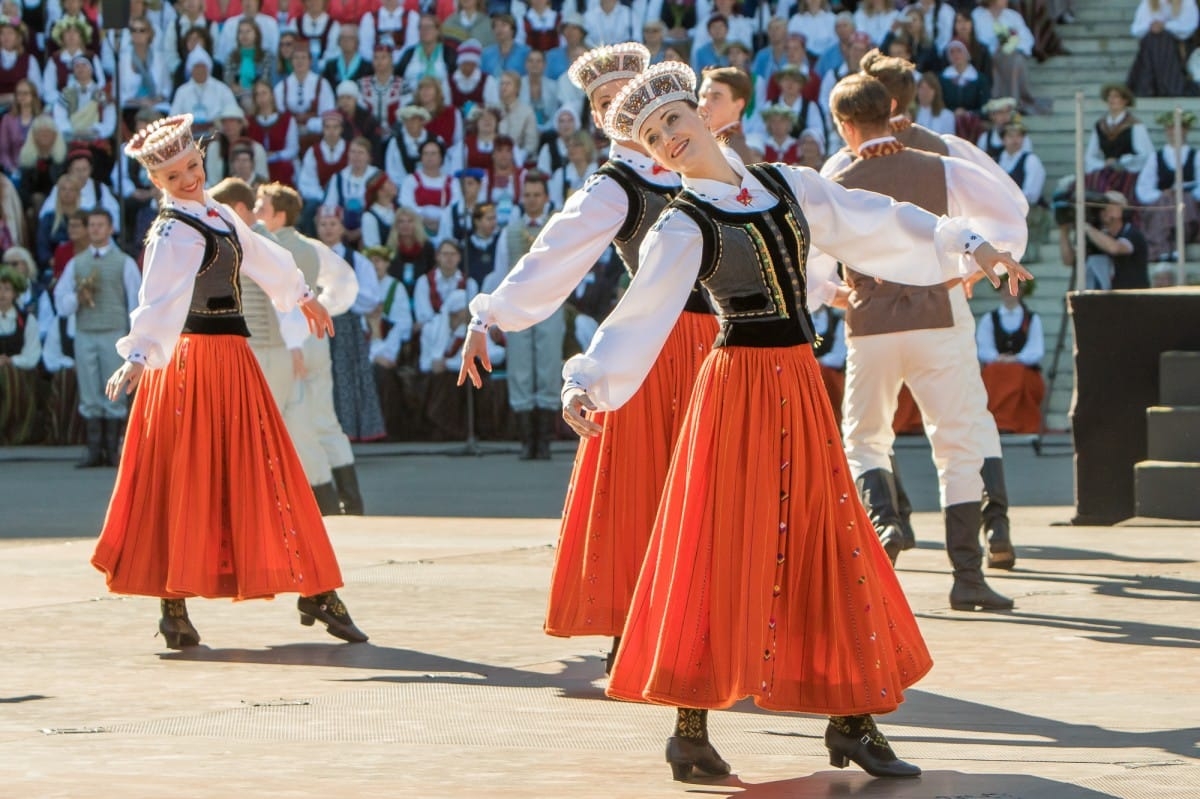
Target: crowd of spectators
(423,121)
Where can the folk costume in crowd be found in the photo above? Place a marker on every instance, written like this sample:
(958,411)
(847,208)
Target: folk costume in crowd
(210,498)
(763,577)
(20,350)
(100,287)
(1011,345)
(618,476)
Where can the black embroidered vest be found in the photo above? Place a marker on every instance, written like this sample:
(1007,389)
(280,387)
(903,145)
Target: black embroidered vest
(216,306)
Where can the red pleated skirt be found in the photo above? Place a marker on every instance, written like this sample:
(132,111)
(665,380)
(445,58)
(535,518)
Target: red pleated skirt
(764,577)
(1015,394)
(615,487)
(210,498)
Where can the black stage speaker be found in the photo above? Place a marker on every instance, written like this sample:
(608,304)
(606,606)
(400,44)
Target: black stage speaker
(115,14)
(1118,338)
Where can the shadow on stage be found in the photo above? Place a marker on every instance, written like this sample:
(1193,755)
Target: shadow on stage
(945,784)
(1067,554)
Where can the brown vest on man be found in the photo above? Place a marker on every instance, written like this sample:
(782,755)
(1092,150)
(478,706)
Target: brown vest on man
(907,175)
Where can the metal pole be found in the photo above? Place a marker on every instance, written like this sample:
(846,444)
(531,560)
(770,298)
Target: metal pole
(118,153)
(1181,276)
(1080,194)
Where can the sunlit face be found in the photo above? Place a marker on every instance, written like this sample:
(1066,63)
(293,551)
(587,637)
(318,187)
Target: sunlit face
(535,63)
(231,127)
(8,38)
(652,37)
(264,209)
(346,103)
(382,61)
(718,31)
(448,258)
(330,229)
(602,98)
(1013,139)
(958,58)
(427,95)
(795,51)
(348,40)
(44,137)
(381,265)
(242,166)
(427,30)
(509,88)
(1116,103)
(387,193)
(576,152)
(470,189)
(779,126)
(716,99)
(246,35)
(77,230)
(183,179)
(672,135)
(301,61)
(331,129)
(264,99)
(405,224)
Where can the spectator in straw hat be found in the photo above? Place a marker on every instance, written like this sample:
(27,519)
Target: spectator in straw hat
(780,146)
(1158,191)
(999,112)
(1119,145)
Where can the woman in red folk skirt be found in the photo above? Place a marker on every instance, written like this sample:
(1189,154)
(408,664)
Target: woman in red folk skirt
(763,577)
(618,475)
(210,498)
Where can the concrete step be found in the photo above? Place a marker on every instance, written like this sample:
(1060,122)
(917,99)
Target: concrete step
(1167,490)
(1084,43)
(1173,433)
(1179,378)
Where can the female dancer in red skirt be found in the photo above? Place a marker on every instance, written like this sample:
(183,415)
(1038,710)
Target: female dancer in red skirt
(618,475)
(210,498)
(763,577)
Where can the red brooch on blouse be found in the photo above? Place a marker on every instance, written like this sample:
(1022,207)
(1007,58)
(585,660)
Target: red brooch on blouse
(213,213)
(744,197)
(658,170)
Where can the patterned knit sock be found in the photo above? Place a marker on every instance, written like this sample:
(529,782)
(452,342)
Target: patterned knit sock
(858,726)
(692,723)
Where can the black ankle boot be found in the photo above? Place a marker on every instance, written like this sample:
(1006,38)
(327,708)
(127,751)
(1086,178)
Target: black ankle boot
(877,488)
(329,608)
(689,751)
(95,445)
(970,590)
(528,434)
(346,480)
(612,655)
(1000,552)
(328,501)
(856,738)
(175,625)
(544,433)
(903,510)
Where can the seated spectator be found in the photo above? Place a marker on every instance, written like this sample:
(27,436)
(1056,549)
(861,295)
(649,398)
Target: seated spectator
(485,250)
(807,115)
(20,351)
(442,339)
(469,21)
(86,116)
(876,19)
(711,53)
(402,155)
(381,199)
(837,55)
(1010,42)
(72,35)
(505,179)
(552,153)
(319,164)
(52,224)
(414,252)
(1157,192)
(306,96)
(780,146)
(572,35)
(607,22)
(74,244)
(202,96)
(190,17)
(93,193)
(21,65)
(357,122)
(392,26)
(382,92)
(348,189)
(1119,146)
(1162,27)
(196,39)
(1028,172)
(860,43)
(248,63)
(830,351)
(1011,345)
(795,57)
(654,36)
(939,21)
(816,23)
(347,63)
(289,41)
(218,156)
(144,74)
(538,26)
(811,153)
(964,90)
(932,112)
(964,31)
(276,132)
(16,124)
(430,189)
(471,87)
(63,424)
(539,92)
(506,53)
(581,163)
(21,260)
(445,121)
(999,111)
(229,38)
(457,219)
(680,17)
(12,215)
(920,45)
(517,121)
(389,326)
(318,30)
(435,286)
(1117,256)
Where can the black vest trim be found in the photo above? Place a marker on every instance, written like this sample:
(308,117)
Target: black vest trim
(626,177)
(225,312)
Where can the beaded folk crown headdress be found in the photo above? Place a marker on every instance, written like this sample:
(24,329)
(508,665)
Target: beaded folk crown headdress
(611,62)
(660,84)
(163,142)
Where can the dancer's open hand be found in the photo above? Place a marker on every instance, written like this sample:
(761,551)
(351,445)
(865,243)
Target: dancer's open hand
(575,402)
(990,259)
(474,347)
(124,380)
(320,323)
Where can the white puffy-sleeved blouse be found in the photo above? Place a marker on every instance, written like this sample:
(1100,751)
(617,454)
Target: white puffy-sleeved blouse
(172,259)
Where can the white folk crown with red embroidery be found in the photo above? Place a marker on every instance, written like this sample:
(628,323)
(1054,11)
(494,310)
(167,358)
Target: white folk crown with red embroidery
(660,84)
(162,143)
(608,63)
